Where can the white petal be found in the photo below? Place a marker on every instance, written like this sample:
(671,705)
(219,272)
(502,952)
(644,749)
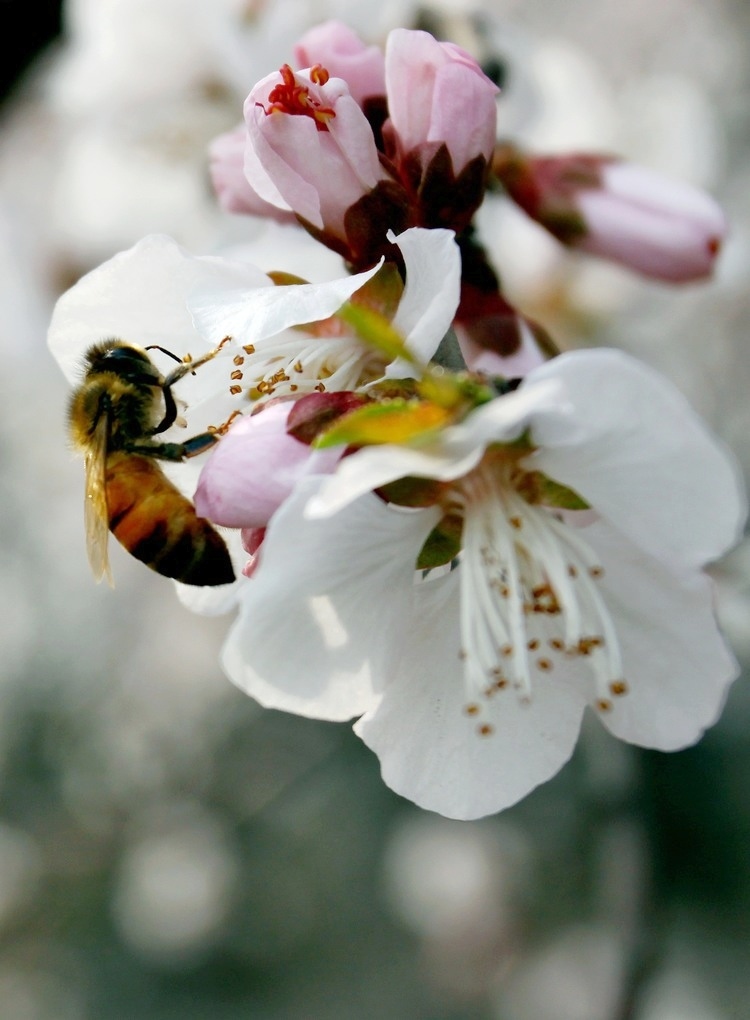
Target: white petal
(139,296)
(430,750)
(374,466)
(253,315)
(328,603)
(631,445)
(430,298)
(677,666)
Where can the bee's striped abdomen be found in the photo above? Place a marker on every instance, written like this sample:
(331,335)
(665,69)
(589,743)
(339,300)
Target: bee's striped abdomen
(151,518)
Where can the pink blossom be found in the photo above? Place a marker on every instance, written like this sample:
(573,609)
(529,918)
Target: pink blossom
(255,467)
(310,147)
(226,166)
(663,228)
(438,93)
(342,52)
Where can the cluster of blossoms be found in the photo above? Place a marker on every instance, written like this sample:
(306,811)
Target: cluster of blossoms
(444,527)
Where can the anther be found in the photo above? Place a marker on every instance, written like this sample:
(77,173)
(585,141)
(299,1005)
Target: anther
(604,705)
(485,730)
(319,74)
(471,709)
(234,390)
(618,688)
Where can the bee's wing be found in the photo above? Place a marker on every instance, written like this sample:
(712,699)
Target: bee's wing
(95,513)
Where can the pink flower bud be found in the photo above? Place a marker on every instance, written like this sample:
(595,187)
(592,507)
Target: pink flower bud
(342,52)
(255,467)
(665,229)
(438,93)
(226,166)
(310,148)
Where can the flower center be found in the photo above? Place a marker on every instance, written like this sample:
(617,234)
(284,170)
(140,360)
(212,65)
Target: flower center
(529,595)
(289,96)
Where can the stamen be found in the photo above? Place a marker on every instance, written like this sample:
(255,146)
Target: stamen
(294,98)
(527,579)
(343,361)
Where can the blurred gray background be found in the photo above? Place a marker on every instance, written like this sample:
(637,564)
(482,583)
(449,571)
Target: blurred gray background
(168,849)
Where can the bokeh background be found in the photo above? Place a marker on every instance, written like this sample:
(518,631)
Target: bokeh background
(167,848)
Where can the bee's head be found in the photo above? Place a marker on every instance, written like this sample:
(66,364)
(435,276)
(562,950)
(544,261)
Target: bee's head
(125,360)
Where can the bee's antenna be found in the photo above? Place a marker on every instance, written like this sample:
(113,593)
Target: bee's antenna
(157,347)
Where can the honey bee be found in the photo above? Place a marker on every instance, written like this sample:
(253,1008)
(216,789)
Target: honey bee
(122,403)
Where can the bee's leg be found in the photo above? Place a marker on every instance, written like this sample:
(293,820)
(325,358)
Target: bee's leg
(175,451)
(170,411)
(199,444)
